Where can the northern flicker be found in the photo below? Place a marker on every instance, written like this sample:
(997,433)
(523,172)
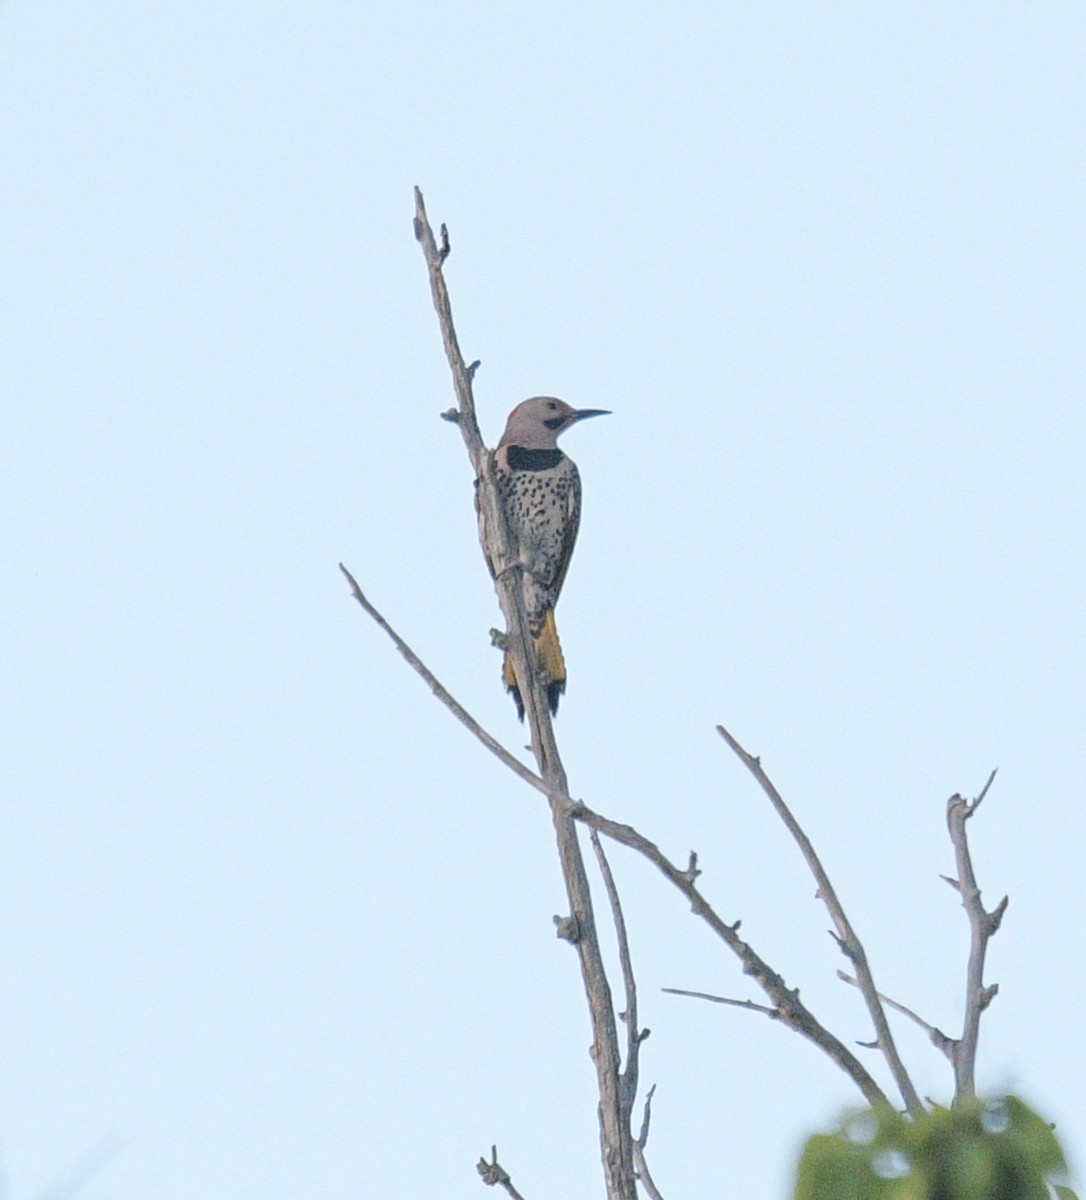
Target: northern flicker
(540,493)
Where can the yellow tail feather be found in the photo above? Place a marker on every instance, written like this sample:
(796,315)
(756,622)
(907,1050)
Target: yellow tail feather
(552,666)
(549,652)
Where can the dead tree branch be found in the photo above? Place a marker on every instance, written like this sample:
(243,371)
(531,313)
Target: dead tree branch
(935,1035)
(847,940)
(617,1088)
(450,701)
(616,1141)
(787,1006)
(982,926)
(622,1154)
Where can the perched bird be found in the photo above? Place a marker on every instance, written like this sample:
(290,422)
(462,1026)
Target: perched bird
(540,492)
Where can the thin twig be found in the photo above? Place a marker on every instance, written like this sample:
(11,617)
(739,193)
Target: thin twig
(937,1037)
(849,943)
(983,791)
(450,701)
(634,1035)
(646,1118)
(982,926)
(642,1166)
(435,262)
(494,1174)
(748,1004)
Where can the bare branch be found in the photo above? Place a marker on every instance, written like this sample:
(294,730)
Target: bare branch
(634,1035)
(938,1039)
(496,543)
(450,701)
(646,1118)
(982,925)
(747,1004)
(643,1175)
(494,1174)
(790,1010)
(616,1143)
(788,1006)
(435,261)
(984,791)
(850,944)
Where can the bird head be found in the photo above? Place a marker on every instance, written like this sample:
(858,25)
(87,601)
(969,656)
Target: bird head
(536,423)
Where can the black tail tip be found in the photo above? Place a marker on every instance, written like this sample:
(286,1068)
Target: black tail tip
(554,693)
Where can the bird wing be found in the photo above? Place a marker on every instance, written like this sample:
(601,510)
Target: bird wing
(569,531)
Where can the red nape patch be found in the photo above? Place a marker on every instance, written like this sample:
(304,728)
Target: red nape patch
(519,406)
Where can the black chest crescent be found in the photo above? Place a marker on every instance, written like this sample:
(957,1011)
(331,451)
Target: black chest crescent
(520,459)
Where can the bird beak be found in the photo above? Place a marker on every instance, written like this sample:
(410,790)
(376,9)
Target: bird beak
(580,413)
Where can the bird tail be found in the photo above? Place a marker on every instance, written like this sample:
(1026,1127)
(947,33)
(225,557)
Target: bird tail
(552,666)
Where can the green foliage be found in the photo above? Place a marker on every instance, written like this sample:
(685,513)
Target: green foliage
(987,1150)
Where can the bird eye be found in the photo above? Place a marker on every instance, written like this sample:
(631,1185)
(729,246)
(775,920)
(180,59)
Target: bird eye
(552,406)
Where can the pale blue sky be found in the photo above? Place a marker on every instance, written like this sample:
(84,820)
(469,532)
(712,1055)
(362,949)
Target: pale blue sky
(272,925)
